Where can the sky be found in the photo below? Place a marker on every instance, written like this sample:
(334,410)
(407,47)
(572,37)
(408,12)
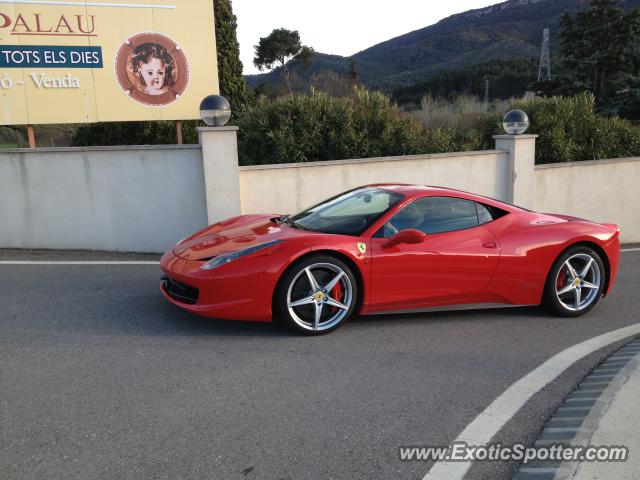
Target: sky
(340,27)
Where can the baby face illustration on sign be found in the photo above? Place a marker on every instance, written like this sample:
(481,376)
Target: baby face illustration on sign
(151,68)
(153,65)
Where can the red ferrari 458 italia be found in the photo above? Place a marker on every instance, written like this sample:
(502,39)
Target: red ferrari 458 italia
(391,248)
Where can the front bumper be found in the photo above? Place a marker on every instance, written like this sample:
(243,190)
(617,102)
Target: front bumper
(232,292)
(178,291)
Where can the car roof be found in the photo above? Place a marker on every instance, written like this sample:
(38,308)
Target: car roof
(416,191)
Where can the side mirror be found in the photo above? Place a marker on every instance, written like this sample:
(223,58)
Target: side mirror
(410,236)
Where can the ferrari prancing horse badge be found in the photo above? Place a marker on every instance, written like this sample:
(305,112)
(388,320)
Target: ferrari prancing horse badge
(362,247)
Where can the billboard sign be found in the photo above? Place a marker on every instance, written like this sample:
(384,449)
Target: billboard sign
(95,61)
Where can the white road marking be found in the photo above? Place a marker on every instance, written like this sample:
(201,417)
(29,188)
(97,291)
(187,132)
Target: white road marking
(630,249)
(489,422)
(89,262)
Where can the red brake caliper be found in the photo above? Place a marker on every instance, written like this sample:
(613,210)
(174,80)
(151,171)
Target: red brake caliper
(562,278)
(336,294)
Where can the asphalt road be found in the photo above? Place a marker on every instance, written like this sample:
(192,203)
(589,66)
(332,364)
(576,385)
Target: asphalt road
(101,378)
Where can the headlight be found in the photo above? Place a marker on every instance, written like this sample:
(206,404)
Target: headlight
(231,256)
(180,241)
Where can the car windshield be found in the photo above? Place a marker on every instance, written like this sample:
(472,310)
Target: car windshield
(349,213)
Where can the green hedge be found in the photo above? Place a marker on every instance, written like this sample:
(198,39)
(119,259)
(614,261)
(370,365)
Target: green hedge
(569,130)
(12,137)
(307,128)
(133,133)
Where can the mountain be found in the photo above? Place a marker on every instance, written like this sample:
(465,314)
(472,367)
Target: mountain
(504,31)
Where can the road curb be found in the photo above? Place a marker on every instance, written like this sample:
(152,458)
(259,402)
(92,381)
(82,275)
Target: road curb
(491,420)
(595,397)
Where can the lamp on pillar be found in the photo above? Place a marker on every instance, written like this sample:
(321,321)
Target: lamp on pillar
(515,122)
(215,111)
(515,184)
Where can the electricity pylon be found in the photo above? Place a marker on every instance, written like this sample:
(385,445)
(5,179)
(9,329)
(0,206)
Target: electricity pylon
(544,73)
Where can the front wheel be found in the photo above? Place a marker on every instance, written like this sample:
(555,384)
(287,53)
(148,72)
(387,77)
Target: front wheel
(316,295)
(575,283)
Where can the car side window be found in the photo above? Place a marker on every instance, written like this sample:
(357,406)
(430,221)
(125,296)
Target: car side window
(484,215)
(433,215)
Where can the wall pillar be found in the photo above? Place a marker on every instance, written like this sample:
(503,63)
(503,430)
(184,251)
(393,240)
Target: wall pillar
(519,173)
(221,178)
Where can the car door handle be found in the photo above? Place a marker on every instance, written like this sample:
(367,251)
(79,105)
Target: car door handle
(490,245)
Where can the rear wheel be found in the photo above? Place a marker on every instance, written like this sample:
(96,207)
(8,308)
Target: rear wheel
(575,283)
(316,295)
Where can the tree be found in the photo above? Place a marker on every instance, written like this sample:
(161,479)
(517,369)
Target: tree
(280,46)
(508,78)
(600,54)
(232,83)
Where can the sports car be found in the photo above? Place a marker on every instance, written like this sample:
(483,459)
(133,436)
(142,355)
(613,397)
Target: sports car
(389,248)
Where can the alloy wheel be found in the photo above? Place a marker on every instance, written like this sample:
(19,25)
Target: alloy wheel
(578,282)
(319,296)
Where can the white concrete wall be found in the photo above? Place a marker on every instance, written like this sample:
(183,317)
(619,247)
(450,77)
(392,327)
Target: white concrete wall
(606,191)
(145,198)
(289,188)
(140,199)
(602,190)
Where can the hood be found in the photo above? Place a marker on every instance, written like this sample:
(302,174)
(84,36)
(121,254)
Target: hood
(233,234)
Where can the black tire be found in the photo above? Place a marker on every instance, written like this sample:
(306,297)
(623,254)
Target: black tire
(568,304)
(295,282)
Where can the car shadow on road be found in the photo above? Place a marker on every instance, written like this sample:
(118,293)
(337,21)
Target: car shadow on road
(131,308)
(516,313)
(166,320)
(158,317)
(189,323)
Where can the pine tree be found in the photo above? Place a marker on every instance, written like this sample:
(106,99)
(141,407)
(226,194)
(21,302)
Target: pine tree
(599,49)
(276,49)
(232,83)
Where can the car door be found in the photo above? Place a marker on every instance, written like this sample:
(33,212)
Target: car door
(453,265)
